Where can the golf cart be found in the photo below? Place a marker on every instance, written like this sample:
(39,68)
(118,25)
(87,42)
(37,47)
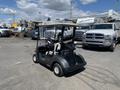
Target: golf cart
(58,53)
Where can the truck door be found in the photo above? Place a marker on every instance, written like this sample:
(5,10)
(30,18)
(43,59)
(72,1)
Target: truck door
(117,30)
(119,35)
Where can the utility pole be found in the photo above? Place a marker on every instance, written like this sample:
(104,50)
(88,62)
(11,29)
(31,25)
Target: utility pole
(71,9)
(13,17)
(117,5)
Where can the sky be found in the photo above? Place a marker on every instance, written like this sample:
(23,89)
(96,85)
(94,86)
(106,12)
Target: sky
(41,9)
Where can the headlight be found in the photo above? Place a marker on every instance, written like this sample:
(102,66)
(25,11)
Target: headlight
(107,37)
(84,35)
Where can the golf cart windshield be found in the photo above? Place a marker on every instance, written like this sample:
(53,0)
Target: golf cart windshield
(55,30)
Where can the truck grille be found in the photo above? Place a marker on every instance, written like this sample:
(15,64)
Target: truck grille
(95,41)
(79,35)
(94,36)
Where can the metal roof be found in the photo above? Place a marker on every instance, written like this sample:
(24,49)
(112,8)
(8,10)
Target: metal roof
(45,24)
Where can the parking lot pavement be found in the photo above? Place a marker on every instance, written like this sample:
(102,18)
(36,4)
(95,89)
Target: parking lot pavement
(18,72)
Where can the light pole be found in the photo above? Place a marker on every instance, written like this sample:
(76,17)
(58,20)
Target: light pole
(117,5)
(13,17)
(71,9)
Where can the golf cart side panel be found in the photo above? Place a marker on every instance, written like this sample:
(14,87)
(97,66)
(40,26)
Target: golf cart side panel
(70,62)
(75,62)
(60,60)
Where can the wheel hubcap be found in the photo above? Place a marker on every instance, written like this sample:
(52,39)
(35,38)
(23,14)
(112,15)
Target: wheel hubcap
(34,59)
(56,70)
(114,45)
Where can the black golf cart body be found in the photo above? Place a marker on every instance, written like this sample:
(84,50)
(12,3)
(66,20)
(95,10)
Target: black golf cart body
(58,52)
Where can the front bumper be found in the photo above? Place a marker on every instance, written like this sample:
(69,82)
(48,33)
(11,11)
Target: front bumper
(99,43)
(6,34)
(78,38)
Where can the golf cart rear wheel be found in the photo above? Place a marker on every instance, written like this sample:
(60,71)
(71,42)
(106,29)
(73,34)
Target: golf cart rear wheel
(35,59)
(57,69)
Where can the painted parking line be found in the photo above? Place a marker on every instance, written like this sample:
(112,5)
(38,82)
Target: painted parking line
(17,63)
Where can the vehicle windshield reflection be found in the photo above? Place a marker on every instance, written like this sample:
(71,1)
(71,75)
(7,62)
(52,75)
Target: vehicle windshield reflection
(83,27)
(103,26)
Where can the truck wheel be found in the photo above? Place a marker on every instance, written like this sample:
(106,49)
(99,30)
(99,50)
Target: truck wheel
(57,69)
(35,59)
(32,38)
(0,35)
(112,47)
(84,46)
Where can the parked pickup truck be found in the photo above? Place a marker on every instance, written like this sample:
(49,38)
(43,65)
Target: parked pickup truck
(102,35)
(80,31)
(4,32)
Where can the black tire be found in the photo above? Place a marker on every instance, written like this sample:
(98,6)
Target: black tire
(34,58)
(32,38)
(0,35)
(57,69)
(112,47)
(118,41)
(84,46)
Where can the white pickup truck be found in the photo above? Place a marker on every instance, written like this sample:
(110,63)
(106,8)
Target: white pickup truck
(102,35)
(4,32)
(80,32)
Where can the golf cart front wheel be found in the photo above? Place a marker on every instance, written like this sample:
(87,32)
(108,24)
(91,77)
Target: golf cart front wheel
(57,69)
(35,60)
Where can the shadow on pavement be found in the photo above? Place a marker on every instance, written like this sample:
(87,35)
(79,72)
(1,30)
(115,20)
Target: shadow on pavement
(97,49)
(75,72)
(95,77)
(92,48)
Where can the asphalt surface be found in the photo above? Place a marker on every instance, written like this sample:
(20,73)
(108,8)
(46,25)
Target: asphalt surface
(18,72)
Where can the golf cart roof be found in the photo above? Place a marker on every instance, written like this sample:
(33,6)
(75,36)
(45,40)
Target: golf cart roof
(46,24)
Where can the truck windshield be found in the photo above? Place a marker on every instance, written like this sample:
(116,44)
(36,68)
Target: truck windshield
(102,26)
